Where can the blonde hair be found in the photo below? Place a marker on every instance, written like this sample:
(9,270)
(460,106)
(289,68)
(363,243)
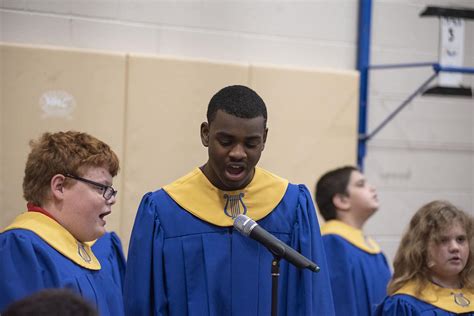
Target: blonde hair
(429,222)
(62,153)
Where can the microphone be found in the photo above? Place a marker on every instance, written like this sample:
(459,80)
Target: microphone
(248,227)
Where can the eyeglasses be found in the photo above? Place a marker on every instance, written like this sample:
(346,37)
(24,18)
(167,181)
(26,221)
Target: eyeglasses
(108,191)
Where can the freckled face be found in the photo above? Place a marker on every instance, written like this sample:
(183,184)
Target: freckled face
(234,148)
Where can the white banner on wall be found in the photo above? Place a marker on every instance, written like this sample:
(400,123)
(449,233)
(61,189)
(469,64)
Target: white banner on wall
(451,50)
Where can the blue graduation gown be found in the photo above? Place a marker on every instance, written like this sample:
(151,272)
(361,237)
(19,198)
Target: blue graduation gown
(108,249)
(179,264)
(358,278)
(407,305)
(431,301)
(29,264)
(358,269)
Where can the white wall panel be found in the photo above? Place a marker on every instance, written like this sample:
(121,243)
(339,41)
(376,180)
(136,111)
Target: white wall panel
(411,169)
(108,9)
(397,25)
(315,19)
(13,4)
(248,34)
(47,6)
(426,120)
(402,82)
(21,27)
(389,244)
(92,8)
(258,49)
(399,206)
(113,36)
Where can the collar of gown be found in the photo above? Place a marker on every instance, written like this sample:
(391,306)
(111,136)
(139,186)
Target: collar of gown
(351,234)
(57,237)
(452,300)
(194,193)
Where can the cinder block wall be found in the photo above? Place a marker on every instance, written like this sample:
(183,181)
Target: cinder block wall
(426,152)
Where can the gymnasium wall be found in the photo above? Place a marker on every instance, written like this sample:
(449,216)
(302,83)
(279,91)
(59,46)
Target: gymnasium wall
(426,152)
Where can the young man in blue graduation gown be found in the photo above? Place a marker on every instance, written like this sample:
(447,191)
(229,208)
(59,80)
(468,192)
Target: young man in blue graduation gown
(185,258)
(358,269)
(67,184)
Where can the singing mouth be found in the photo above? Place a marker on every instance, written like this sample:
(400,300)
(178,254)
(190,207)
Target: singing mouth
(104,214)
(235,171)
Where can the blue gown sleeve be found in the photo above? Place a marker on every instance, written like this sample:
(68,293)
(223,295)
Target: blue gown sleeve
(342,281)
(394,306)
(118,258)
(144,292)
(310,292)
(20,269)
(108,250)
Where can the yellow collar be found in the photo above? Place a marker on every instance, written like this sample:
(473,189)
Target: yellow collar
(57,237)
(353,235)
(198,196)
(452,300)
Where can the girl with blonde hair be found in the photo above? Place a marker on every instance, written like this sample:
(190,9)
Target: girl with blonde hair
(433,270)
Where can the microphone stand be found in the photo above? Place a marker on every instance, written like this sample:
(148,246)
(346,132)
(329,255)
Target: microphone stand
(275,275)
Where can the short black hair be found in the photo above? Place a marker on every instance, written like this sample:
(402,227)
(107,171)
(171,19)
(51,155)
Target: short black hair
(51,302)
(331,183)
(240,101)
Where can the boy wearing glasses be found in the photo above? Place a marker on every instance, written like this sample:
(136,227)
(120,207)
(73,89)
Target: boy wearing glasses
(68,187)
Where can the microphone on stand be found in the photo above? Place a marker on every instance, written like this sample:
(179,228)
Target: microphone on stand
(248,227)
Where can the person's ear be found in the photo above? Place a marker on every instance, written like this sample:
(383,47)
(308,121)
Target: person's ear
(57,186)
(341,201)
(265,137)
(205,134)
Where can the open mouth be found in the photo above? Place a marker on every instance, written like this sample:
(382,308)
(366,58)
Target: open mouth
(104,214)
(235,172)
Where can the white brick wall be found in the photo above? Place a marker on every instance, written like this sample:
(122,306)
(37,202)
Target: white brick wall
(426,152)
(298,33)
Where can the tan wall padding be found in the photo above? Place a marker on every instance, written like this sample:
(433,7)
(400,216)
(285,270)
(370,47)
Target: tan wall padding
(96,83)
(167,101)
(149,109)
(312,120)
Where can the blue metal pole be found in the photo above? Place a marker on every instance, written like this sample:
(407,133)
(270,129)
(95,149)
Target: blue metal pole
(407,65)
(363,61)
(463,70)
